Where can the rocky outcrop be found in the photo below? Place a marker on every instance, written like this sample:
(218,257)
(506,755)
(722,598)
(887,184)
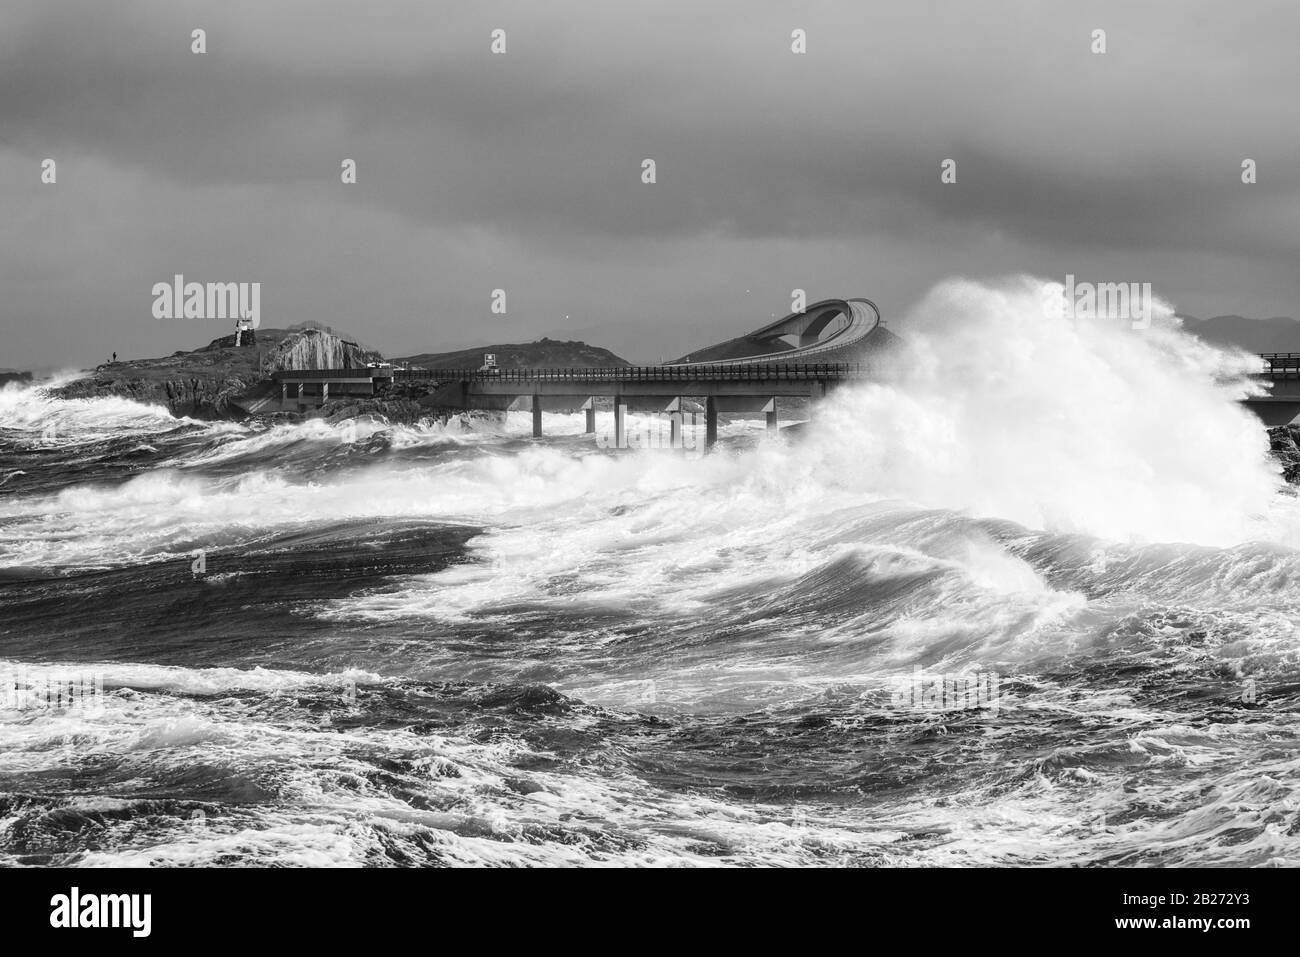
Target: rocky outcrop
(215,381)
(396,411)
(194,396)
(1284,442)
(317,349)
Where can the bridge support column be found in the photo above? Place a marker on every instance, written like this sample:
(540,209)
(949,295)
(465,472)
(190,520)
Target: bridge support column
(299,403)
(772,424)
(537,416)
(675,427)
(710,422)
(284,395)
(620,430)
(324,393)
(591,420)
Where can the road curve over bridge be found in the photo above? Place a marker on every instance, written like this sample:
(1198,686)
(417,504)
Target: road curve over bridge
(827,331)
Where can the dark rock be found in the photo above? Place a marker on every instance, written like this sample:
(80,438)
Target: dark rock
(404,411)
(1284,442)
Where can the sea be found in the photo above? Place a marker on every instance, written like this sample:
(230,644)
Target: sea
(1029,599)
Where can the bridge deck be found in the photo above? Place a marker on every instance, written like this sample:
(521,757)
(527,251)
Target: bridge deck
(1282,365)
(719,372)
(1276,365)
(724,380)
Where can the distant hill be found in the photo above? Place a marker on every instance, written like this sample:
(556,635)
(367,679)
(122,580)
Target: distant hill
(737,348)
(542,354)
(1278,334)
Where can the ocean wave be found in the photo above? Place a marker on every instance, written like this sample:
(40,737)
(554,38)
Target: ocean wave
(450,644)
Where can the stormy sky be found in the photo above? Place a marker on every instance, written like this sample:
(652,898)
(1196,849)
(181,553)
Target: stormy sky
(522,171)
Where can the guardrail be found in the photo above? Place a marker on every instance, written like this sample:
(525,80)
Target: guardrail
(759,371)
(762,371)
(321,374)
(1281,364)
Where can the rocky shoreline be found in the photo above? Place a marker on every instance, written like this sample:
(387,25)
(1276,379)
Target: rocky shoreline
(216,381)
(196,397)
(223,381)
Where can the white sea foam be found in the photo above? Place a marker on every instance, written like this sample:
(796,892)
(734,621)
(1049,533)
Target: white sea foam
(32,408)
(1065,425)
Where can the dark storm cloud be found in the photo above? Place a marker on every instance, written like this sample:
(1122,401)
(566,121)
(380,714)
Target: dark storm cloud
(522,170)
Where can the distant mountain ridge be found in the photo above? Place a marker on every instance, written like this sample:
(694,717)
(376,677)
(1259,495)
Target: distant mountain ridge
(542,354)
(1276,334)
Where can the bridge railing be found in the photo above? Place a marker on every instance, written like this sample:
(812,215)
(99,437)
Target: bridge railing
(759,371)
(1281,364)
(320,374)
(720,372)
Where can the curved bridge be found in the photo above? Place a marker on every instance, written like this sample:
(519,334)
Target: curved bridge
(834,340)
(850,322)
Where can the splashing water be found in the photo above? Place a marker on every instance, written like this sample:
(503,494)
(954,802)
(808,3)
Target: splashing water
(1063,425)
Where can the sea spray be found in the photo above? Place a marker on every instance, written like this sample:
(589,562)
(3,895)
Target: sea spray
(1059,424)
(33,408)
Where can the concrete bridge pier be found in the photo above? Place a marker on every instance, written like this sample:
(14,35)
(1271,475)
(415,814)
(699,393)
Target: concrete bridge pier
(324,392)
(299,397)
(620,423)
(537,416)
(590,408)
(284,395)
(748,404)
